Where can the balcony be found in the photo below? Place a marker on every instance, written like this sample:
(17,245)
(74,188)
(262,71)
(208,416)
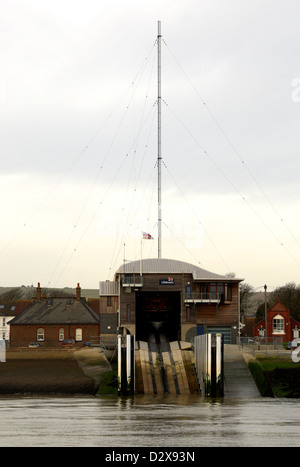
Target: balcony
(132,281)
(198,297)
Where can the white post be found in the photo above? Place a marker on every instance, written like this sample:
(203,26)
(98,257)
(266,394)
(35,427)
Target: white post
(218,357)
(2,351)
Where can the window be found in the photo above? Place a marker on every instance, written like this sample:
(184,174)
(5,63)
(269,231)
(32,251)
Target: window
(61,334)
(204,291)
(78,334)
(278,324)
(228,292)
(3,321)
(40,335)
(188,291)
(213,291)
(188,314)
(295,333)
(108,301)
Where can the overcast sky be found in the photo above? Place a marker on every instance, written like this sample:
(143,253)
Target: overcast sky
(78,95)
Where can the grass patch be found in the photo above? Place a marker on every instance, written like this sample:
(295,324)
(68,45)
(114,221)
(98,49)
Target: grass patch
(276,377)
(259,378)
(268,364)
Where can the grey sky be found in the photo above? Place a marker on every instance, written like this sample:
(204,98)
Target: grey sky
(78,137)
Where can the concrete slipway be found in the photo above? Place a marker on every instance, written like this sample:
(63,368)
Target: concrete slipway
(238,379)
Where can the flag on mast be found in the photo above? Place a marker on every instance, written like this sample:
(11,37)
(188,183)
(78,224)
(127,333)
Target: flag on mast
(147,236)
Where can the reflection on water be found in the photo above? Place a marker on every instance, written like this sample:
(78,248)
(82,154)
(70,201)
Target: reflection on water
(179,421)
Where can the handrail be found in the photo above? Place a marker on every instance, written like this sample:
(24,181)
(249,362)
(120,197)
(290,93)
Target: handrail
(204,296)
(132,281)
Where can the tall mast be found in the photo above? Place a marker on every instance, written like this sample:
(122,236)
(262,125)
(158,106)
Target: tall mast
(159,136)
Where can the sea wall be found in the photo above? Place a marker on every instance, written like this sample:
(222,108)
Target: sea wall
(42,371)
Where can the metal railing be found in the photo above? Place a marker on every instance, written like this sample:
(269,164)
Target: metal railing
(132,281)
(267,345)
(204,297)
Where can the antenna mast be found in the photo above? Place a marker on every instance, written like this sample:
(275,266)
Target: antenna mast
(159,136)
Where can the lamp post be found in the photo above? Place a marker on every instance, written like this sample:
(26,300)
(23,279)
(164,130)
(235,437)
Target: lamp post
(266,322)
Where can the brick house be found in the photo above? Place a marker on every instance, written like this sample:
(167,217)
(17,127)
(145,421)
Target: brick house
(49,321)
(279,324)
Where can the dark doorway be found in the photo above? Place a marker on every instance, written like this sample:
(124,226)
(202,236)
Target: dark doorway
(158,313)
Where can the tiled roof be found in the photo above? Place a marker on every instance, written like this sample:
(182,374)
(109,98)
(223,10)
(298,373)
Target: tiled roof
(13,307)
(171,266)
(57,311)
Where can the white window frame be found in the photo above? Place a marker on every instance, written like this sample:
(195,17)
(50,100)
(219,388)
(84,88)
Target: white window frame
(40,334)
(78,334)
(61,334)
(278,325)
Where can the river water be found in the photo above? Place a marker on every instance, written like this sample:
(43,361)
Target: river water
(179,421)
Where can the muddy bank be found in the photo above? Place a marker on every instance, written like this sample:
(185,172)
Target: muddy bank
(52,372)
(284,382)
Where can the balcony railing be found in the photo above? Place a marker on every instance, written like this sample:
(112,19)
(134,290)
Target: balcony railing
(204,297)
(132,281)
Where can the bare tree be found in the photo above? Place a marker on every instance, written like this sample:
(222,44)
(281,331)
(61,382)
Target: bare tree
(246,293)
(289,295)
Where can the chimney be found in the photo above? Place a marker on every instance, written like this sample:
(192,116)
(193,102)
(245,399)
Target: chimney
(38,292)
(78,292)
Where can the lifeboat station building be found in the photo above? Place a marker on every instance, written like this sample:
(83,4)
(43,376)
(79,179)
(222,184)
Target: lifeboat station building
(169,297)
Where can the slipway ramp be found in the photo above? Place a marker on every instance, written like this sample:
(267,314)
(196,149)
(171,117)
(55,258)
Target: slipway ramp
(164,368)
(239,382)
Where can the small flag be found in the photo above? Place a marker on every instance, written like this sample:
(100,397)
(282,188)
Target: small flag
(147,236)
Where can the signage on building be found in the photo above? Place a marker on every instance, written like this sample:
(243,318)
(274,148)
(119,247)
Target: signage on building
(168,281)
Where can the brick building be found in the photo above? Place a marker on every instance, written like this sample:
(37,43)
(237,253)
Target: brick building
(279,324)
(49,321)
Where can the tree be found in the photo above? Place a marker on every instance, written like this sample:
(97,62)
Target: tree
(260,314)
(289,295)
(15,293)
(246,293)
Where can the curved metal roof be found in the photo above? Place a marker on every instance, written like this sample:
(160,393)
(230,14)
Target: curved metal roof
(171,266)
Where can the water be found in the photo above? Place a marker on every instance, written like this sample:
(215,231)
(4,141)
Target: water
(179,421)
